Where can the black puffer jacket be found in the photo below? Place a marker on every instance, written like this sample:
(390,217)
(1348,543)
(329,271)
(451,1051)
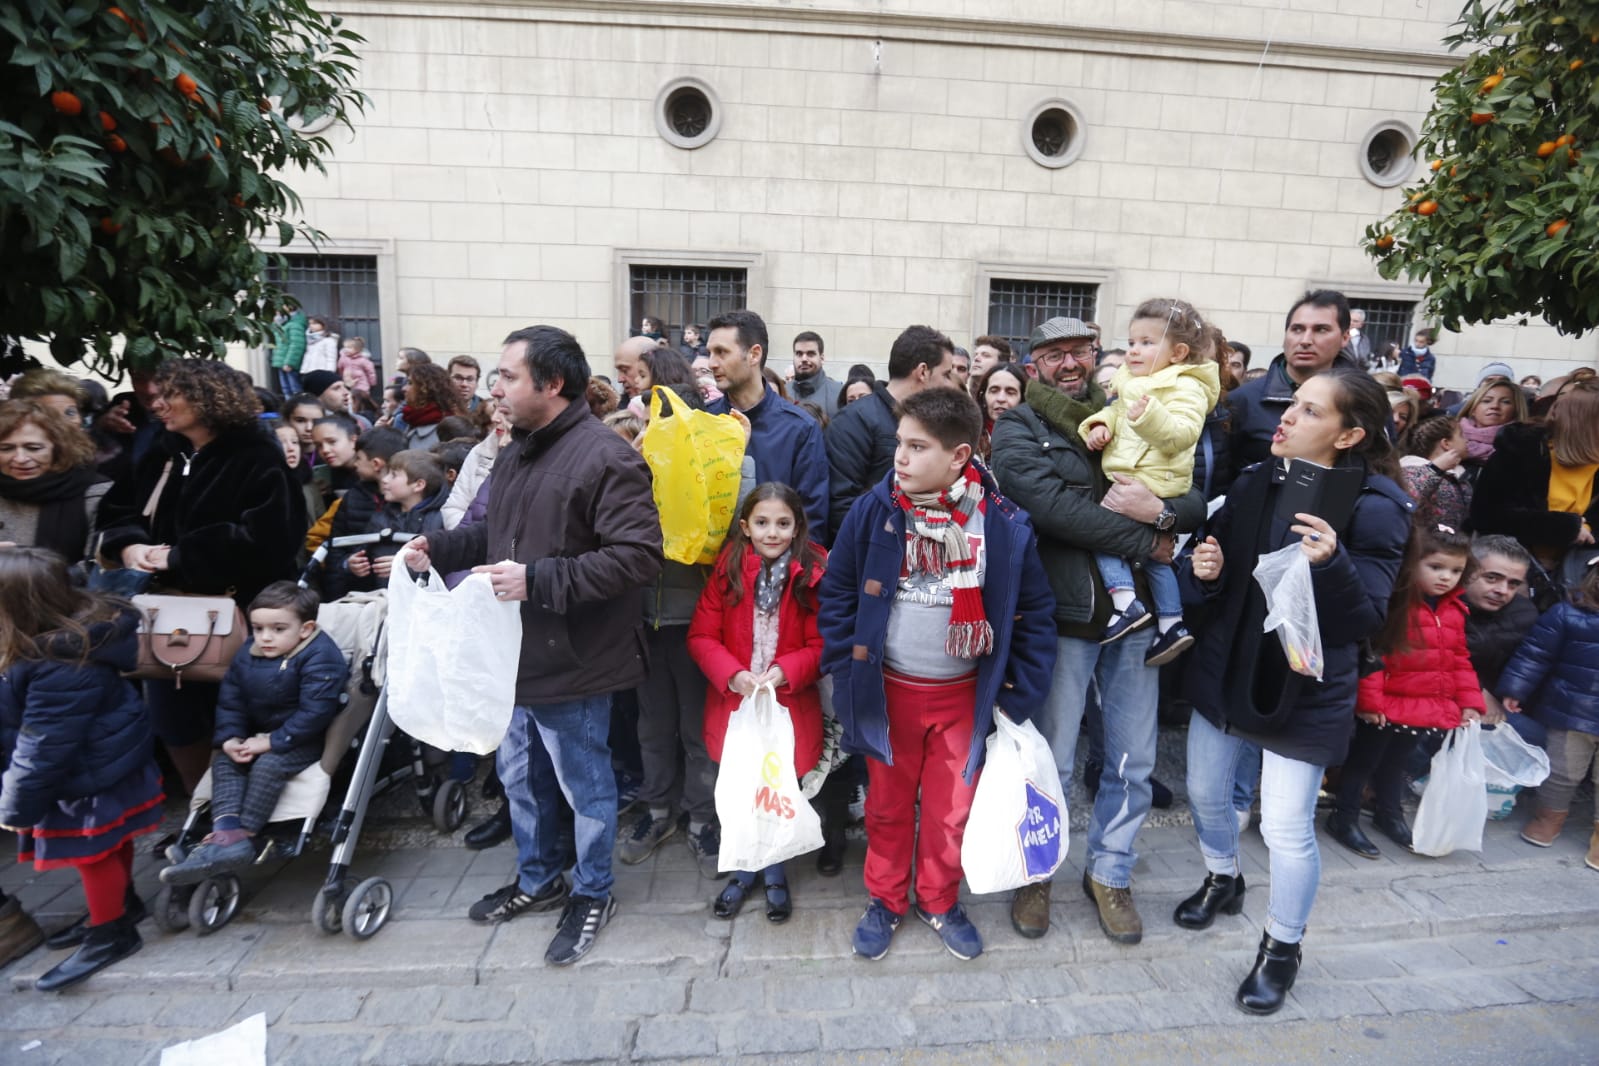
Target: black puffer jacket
(1492,637)
(1556,669)
(1512,495)
(293,699)
(70,730)
(232,512)
(860,452)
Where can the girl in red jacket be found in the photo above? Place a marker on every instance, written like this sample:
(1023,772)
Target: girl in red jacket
(756,623)
(1426,685)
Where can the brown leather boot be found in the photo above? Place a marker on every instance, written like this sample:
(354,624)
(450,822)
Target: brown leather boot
(1029,910)
(1593,848)
(1544,827)
(19,933)
(1118,917)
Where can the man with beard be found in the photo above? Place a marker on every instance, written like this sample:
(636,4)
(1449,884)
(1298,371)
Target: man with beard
(811,383)
(1041,462)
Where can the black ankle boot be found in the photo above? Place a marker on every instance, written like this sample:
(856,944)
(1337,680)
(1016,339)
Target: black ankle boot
(834,803)
(102,946)
(491,831)
(72,935)
(1347,832)
(1393,827)
(1267,985)
(1218,893)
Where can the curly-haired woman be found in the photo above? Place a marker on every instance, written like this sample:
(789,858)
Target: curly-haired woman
(211,509)
(430,398)
(50,490)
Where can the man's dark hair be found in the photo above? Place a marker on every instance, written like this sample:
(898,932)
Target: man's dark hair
(381,443)
(414,355)
(961,353)
(808,335)
(750,327)
(915,346)
(465,360)
(999,344)
(457,426)
(343,423)
(950,415)
(452,454)
(1486,544)
(1323,298)
(287,596)
(1242,349)
(554,353)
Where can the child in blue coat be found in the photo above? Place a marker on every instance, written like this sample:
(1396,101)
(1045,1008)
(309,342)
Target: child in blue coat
(935,610)
(79,782)
(278,698)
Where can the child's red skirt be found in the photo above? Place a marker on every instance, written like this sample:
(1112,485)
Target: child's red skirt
(80,831)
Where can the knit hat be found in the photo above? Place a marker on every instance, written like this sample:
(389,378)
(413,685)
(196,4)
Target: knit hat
(1495,370)
(319,381)
(1418,382)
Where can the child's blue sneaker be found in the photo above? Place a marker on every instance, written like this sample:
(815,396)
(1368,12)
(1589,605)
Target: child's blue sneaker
(959,935)
(1136,616)
(875,931)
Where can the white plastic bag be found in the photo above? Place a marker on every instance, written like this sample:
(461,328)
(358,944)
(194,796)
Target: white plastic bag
(1017,831)
(1510,764)
(1284,577)
(453,659)
(765,819)
(1455,805)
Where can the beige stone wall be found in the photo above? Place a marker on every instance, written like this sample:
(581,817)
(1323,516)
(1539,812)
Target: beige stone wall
(874,164)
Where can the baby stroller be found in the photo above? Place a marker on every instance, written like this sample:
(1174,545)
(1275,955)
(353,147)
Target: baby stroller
(344,902)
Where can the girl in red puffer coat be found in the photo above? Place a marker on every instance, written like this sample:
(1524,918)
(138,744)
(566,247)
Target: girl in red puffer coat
(756,623)
(1426,685)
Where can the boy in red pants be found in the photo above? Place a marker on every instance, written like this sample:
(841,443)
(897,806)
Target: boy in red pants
(934,611)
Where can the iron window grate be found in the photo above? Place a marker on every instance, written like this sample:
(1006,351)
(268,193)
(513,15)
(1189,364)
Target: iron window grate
(1388,320)
(343,288)
(1017,306)
(680,295)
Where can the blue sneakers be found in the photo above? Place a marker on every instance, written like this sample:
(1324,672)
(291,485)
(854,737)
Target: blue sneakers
(875,931)
(959,935)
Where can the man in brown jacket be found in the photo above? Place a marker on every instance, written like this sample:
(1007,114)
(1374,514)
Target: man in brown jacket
(572,531)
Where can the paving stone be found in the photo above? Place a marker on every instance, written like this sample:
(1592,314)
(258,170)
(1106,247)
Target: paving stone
(479,1004)
(1163,1010)
(124,1009)
(1333,999)
(1102,1015)
(408,1006)
(491,1047)
(271,1004)
(770,1036)
(29,1010)
(726,996)
(1200,974)
(566,1040)
(1410,994)
(673,1038)
(855,1032)
(129,1051)
(1115,978)
(410,952)
(811,994)
(1560,983)
(415,1047)
(1522,947)
(554,994)
(1037,1020)
(1486,990)
(629,940)
(1499,901)
(967,985)
(320,1049)
(1428,957)
(325,1005)
(1361,963)
(200,1010)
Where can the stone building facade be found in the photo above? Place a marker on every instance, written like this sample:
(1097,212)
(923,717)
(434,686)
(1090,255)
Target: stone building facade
(971,164)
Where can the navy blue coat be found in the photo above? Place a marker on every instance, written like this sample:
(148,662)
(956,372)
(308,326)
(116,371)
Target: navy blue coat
(1237,675)
(292,699)
(70,730)
(1257,407)
(786,444)
(1555,672)
(857,594)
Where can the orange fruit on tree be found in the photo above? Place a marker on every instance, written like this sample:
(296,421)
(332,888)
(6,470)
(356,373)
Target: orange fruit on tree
(1546,149)
(116,143)
(1554,228)
(1386,241)
(1576,64)
(1427,207)
(107,123)
(1491,82)
(66,103)
(1565,140)
(109,226)
(186,85)
(1482,118)
(1437,164)
(238,201)
(1453,171)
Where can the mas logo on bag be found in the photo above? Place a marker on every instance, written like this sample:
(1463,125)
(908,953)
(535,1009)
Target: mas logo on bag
(1039,834)
(768,798)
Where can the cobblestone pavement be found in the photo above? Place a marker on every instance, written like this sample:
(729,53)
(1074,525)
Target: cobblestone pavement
(1508,938)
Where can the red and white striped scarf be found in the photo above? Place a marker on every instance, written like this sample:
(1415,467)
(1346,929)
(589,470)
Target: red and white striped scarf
(938,545)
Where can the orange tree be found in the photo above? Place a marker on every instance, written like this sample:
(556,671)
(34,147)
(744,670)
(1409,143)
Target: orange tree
(140,148)
(1505,220)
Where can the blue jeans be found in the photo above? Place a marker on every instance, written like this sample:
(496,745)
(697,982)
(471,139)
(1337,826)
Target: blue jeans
(1288,790)
(1162,582)
(288,382)
(551,750)
(1129,692)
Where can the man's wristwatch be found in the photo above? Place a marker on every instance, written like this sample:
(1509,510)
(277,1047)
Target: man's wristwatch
(1166,521)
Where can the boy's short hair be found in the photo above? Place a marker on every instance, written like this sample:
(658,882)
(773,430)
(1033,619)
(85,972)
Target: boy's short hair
(452,454)
(381,443)
(287,596)
(951,416)
(418,465)
(343,423)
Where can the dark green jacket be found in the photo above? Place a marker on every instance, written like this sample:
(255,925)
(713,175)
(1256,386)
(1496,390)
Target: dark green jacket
(288,352)
(1042,464)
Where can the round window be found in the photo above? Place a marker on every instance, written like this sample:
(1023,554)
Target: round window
(687,113)
(1052,133)
(1388,154)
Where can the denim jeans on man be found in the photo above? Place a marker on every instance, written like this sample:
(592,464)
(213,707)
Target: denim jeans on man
(1129,692)
(551,750)
(1118,574)
(1288,790)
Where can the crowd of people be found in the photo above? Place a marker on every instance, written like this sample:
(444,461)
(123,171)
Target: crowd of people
(1064,535)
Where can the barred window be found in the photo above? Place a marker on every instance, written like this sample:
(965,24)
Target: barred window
(340,288)
(681,295)
(1017,306)
(1388,320)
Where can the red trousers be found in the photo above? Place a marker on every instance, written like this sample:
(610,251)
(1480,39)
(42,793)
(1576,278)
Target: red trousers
(930,734)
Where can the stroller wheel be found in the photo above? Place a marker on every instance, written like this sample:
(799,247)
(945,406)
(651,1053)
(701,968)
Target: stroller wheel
(327,909)
(214,903)
(367,909)
(449,806)
(171,910)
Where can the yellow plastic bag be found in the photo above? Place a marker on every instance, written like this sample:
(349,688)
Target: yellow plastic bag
(695,459)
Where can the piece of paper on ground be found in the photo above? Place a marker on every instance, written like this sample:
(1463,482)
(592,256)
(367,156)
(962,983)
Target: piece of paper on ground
(241,1045)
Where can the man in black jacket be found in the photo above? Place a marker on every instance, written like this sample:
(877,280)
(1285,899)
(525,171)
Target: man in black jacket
(861,440)
(1501,615)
